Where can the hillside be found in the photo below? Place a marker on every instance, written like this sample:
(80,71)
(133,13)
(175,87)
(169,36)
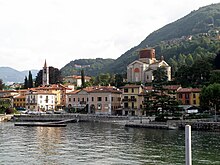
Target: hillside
(201,21)
(10,75)
(92,67)
(172,41)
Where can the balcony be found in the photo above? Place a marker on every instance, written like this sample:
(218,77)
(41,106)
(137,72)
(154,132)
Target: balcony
(125,100)
(133,99)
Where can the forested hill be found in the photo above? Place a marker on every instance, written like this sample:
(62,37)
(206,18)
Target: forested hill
(194,35)
(92,67)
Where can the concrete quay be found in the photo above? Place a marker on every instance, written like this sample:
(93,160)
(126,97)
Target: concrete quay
(128,121)
(70,116)
(200,125)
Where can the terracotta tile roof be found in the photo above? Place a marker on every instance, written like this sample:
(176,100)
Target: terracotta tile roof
(188,90)
(105,90)
(73,92)
(172,87)
(41,92)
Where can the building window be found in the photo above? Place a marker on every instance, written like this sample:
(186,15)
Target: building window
(99,98)
(46,99)
(132,90)
(106,98)
(125,90)
(194,95)
(69,99)
(180,96)
(187,96)
(92,98)
(99,106)
(194,101)
(74,99)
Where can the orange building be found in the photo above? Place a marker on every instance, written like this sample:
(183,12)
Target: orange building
(189,96)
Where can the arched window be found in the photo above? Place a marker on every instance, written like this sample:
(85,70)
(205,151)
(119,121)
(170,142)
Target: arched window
(137,70)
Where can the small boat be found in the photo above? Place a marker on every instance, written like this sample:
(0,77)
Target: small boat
(41,124)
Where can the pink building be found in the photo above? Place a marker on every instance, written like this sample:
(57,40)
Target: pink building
(97,100)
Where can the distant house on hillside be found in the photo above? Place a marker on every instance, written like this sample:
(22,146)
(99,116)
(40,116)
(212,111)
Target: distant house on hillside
(141,70)
(76,80)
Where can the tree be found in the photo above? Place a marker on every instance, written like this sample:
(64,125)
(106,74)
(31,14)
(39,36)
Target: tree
(82,78)
(1,84)
(217,61)
(189,60)
(200,72)
(38,80)
(160,75)
(214,77)
(25,83)
(54,76)
(30,80)
(119,80)
(161,99)
(210,96)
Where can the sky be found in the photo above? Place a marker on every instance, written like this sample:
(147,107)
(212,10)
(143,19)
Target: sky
(60,31)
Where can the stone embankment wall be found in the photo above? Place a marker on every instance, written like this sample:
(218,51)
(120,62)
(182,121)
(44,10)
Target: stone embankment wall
(200,125)
(76,117)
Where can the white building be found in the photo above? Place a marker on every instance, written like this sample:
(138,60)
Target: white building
(40,101)
(141,70)
(76,80)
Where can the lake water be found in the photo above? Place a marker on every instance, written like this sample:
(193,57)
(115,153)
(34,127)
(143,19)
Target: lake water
(103,144)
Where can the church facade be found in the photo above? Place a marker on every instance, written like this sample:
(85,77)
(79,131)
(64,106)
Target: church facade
(141,70)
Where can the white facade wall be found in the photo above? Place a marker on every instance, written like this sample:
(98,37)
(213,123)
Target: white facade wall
(40,102)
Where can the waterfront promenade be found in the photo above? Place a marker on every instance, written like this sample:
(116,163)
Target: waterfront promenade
(128,121)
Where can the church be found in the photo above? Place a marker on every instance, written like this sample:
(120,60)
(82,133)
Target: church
(141,70)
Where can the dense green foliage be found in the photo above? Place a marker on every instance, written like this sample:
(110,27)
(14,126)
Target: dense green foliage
(92,67)
(1,84)
(54,76)
(28,82)
(210,96)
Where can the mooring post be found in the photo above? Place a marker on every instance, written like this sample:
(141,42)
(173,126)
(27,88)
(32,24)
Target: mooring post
(188,152)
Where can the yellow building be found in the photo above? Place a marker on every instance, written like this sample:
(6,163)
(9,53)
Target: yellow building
(19,101)
(130,99)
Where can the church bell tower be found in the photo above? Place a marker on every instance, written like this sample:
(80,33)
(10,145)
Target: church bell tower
(45,75)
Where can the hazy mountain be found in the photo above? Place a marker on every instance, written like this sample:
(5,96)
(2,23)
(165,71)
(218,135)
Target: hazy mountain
(10,75)
(197,22)
(33,72)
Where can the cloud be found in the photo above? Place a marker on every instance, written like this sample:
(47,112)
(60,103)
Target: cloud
(63,30)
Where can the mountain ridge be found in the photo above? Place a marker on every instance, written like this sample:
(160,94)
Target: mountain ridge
(10,75)
(197,21)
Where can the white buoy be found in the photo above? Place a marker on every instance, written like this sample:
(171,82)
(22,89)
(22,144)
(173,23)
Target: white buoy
(188,152)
